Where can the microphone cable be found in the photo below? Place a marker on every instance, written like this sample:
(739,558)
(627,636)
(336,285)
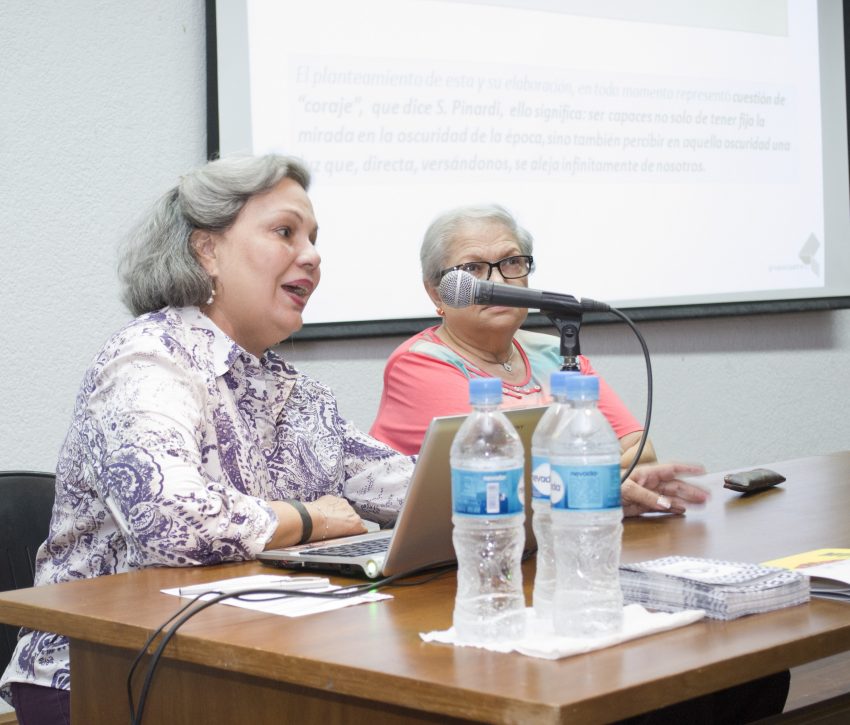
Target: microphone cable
(648,415)
(568,327)
(189,610)
(183,615)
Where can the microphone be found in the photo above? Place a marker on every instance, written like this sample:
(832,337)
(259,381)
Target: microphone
(461,289)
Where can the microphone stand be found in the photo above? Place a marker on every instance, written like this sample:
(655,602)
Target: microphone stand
(568,325)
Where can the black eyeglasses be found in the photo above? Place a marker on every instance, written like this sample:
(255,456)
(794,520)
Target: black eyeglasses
(509,267)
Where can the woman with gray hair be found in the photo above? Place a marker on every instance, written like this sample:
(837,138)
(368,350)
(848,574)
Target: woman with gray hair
(428,374)
(192,442)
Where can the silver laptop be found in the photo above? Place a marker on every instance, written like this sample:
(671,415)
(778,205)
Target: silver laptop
(422,536)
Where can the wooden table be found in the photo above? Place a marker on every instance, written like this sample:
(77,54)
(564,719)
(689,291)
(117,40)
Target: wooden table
(367,663)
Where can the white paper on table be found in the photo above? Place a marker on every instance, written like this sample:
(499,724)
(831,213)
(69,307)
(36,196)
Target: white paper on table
(837,571)
(292,605)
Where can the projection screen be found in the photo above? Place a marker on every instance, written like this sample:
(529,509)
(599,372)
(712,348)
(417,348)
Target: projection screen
(666,155)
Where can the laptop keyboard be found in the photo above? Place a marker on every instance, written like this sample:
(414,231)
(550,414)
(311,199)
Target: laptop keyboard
(357,548)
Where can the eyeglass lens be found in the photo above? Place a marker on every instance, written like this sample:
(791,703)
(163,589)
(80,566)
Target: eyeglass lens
(509,268)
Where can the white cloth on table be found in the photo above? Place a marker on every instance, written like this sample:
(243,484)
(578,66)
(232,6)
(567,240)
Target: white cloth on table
(541,641)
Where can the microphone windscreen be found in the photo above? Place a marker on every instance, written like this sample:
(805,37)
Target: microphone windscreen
(457,289)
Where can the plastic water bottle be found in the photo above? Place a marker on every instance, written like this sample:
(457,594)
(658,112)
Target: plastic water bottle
(587,518)
(559,410)
(487,461)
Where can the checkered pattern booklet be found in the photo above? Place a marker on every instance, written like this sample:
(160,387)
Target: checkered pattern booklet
(723,589)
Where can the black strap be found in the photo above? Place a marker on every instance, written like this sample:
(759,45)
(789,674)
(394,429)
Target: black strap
(306,521)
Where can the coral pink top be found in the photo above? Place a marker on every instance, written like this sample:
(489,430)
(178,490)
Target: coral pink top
(425,378)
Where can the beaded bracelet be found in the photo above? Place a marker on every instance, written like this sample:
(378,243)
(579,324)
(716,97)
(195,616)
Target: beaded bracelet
(306,520)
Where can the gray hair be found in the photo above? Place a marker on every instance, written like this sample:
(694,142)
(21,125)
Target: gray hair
(158,266)
(433,254)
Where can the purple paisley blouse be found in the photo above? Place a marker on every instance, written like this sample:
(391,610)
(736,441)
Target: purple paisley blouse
(178,438)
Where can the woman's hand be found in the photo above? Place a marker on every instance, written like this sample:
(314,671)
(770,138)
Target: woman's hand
(655,487)
(334,517)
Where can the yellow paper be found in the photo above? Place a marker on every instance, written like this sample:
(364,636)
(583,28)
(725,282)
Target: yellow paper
(810,558)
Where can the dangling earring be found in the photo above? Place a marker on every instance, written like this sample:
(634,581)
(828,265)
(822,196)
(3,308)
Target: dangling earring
(211,298)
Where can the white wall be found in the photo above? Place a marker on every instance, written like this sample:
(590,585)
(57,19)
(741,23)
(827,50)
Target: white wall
(102,106)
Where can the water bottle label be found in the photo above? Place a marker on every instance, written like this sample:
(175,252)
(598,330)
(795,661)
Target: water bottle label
(540,477)
(487,493)
(585,487)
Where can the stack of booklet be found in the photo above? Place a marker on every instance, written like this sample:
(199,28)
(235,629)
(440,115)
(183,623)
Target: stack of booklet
(827,569)
(723,589)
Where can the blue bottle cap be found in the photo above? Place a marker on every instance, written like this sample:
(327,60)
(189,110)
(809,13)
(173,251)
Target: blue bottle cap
(583,387)
(558,381)
(485,391)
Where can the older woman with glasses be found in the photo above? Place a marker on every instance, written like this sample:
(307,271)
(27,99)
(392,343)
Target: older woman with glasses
(428,374)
